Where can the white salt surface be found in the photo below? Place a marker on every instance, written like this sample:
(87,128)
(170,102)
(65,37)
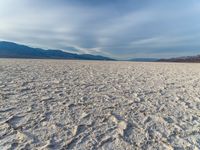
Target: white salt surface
(82,105)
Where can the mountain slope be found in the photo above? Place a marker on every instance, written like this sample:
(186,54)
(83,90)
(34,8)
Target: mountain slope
(182,59)
(13,50)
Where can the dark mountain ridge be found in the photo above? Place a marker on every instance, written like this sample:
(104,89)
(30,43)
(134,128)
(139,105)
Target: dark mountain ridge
(182,59)
(14,50)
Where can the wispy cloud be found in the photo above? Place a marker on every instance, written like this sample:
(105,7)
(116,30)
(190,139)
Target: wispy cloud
(121,29)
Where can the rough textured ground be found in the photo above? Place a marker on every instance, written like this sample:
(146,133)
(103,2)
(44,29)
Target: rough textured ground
(49,104)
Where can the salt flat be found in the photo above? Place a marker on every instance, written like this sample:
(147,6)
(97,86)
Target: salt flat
(57,104)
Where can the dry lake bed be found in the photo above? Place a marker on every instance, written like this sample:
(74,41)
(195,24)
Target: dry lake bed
(83,105)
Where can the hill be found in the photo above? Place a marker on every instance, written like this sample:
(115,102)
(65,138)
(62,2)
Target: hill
(182,59)
(14,50)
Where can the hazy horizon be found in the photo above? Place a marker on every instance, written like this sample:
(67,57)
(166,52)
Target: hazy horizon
(117,29)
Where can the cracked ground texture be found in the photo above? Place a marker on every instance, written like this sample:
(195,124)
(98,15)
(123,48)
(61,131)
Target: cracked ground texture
(82,105)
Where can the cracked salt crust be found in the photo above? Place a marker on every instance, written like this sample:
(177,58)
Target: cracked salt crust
(57,104)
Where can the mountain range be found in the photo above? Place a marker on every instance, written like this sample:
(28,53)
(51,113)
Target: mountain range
(182,59)
(144,59)
(14,50)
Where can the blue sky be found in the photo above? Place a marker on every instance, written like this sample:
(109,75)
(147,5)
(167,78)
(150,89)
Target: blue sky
(115,28)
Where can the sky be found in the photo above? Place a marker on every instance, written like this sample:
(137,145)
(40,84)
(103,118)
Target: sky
(119,29)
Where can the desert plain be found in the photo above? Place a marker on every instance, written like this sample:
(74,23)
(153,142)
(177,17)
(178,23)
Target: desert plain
(105,105)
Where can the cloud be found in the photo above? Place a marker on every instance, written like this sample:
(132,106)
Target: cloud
(120,29)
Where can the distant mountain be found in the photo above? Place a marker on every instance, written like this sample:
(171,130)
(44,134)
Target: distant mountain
(144,59)
(182,59)
(14,50)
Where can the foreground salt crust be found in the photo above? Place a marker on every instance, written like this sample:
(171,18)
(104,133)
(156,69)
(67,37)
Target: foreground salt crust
(49,104)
